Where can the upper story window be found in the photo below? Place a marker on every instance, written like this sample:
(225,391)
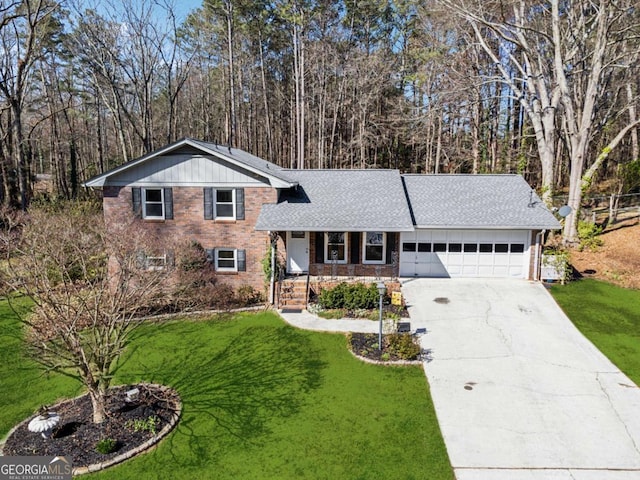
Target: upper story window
(153,203)
(335,247)
(223,203)
(373,247)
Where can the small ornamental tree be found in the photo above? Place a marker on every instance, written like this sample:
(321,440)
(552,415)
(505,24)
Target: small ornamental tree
(87,286)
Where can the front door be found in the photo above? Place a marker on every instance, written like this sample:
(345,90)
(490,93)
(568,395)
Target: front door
(297,252)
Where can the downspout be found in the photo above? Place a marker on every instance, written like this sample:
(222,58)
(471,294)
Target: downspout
(538,257)
(272,282)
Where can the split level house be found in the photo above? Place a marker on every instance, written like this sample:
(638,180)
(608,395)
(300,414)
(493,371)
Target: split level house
(345,223)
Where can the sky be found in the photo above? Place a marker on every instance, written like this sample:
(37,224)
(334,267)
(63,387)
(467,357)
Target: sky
(184,7)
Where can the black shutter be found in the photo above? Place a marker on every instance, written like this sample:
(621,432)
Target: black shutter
(208,203)
(211,255)
(319,247)
(136,196)
(355,248)
(391,246)
(240,204)
(141,259)
(168,204)
(242,260)
(171,258)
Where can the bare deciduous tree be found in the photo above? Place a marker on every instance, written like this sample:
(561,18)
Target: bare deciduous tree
(562,54)
(88,288)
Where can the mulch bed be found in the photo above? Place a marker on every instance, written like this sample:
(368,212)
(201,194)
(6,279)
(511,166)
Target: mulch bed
(76,436)
(365,345)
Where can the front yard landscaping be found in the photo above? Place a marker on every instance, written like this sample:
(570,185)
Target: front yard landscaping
(609,316)
(260,400)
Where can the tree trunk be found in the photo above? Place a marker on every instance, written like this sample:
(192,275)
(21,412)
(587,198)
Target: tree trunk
(97,395)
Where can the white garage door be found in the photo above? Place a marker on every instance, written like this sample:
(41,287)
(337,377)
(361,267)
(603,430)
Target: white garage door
(465,253)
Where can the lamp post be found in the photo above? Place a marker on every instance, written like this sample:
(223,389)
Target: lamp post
(381,291)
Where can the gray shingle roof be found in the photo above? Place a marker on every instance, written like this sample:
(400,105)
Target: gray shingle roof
(340,200)
(476,201)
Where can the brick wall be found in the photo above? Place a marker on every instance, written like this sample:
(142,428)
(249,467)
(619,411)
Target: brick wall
(354,266)
(188,224)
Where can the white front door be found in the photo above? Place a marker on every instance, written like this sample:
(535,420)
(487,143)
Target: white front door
(297,252)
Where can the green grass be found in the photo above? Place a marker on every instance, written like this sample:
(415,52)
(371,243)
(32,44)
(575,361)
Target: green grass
(262,400)
(24,387)
(609,316)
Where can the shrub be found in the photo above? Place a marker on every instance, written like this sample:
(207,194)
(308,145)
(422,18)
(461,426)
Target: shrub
(350,296)
(588,233)
(149,424)
(246,295)
(192,257)
(403,346)
(106,446)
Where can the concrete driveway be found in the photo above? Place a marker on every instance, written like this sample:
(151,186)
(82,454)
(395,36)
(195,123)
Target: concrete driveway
(518,391)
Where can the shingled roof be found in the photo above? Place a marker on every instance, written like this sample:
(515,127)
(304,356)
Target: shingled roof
(340,200)
(476,201)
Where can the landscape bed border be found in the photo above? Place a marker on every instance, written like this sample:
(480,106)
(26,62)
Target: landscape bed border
(142,448)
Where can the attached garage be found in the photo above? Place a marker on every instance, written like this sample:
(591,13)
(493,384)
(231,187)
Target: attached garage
(465,253)
(472,226)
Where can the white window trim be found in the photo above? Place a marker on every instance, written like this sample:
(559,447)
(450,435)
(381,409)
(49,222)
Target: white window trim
(143,200)
(364,250)
(161,262)
(326,248)
(215,203)
(235,260)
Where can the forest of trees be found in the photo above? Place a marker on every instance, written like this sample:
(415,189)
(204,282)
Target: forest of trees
(549,89)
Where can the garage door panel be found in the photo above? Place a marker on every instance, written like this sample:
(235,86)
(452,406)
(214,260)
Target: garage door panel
(470,270)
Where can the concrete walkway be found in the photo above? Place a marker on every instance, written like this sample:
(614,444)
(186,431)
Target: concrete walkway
(519,393)
(307,321)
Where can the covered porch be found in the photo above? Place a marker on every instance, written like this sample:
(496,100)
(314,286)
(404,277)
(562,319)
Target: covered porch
(317,260)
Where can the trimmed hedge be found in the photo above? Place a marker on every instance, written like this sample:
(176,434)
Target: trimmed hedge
(350,296)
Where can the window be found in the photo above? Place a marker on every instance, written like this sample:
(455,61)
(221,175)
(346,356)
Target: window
(225,204)
(486,248)
(335,247)
(517,247)
(470,247)
(155,261)
(374,247)
(439,247)
(455,247)
(408,247)
(153,203)
(225,260)
(298,234)
(502,247)
(424,247)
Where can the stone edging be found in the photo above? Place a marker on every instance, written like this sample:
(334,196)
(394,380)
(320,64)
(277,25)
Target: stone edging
(173,421)
(382,362)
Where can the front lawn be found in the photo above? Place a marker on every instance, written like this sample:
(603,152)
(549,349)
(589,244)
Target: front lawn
(607,315)
(262,400)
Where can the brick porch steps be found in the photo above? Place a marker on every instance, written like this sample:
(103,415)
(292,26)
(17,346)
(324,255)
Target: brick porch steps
(293,293)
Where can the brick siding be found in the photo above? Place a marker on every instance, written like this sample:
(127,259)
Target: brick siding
(188,224)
